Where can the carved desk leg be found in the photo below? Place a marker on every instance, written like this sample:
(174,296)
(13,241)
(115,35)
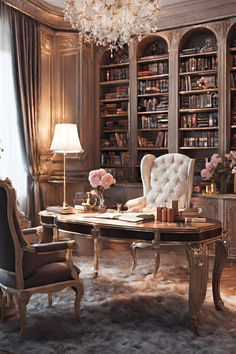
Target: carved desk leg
(97,249)
(221,252)
(197,255)
(155,245)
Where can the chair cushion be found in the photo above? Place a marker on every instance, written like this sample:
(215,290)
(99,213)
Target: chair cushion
(49,274)
(168,181)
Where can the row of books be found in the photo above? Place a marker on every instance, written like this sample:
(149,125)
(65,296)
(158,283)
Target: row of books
(199,64)
(116,92)
(207,100)
(112,74)
(161,140)
(159,68)
(190,82)
(199,120)
(233,141)
(153,104)
(152,122)
(233,79)
(234,60)
(115,158)
(120,174)
(153,86)
(207,139)
(116,124)
(113,108)
(115,140)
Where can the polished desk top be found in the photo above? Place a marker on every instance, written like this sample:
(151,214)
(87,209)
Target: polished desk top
(176,231)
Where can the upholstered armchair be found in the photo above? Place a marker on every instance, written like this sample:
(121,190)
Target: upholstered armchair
(28,269)
(165,178)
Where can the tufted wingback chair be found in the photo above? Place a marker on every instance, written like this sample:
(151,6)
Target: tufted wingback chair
(165,178)
(28,269)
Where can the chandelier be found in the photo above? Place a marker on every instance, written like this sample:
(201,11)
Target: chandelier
(112,22)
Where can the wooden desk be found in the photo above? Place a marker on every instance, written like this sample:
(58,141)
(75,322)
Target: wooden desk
(195,237)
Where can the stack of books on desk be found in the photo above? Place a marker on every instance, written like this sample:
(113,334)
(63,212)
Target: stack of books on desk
(190,214)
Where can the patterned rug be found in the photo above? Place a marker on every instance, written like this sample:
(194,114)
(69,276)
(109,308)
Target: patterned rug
(123,313)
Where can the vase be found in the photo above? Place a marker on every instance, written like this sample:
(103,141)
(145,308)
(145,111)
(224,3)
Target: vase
(223,183)
(100,197)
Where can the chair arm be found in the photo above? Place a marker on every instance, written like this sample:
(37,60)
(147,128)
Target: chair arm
(136,204)
(51,247)
(33,234)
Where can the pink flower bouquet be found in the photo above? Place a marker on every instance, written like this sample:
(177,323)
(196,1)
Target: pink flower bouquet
(100,180)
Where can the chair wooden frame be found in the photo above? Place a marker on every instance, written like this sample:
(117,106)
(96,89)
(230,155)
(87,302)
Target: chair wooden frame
(20,293)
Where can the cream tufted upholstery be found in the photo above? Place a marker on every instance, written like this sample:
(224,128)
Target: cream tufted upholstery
(165,178)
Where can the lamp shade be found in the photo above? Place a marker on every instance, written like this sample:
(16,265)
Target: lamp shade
(66,139)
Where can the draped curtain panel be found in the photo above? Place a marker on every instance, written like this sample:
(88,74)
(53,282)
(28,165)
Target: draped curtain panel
(26,62)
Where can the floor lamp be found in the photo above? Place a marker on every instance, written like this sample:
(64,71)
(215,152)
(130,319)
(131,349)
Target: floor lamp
(65,140)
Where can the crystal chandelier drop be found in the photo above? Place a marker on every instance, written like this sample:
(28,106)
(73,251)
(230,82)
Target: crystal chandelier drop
(112,22)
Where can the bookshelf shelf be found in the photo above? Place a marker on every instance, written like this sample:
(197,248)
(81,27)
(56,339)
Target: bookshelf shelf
(198,54)
(153,94)
(192,92)
(115,100)
(152,129)
(152,148)
(114,65)
(152,77)
(153,112)
(114,82)
(110,148)
(198,147)
(201,72)
(199,129)
(205,109)
(123,114)
(153,59)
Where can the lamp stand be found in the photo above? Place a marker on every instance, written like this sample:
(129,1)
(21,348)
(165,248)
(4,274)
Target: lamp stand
(64,205)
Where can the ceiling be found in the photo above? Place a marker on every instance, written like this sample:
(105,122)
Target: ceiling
(163,3)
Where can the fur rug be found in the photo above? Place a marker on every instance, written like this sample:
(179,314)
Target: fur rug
(123,313)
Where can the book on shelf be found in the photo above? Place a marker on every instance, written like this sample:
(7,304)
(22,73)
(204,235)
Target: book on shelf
(129,217)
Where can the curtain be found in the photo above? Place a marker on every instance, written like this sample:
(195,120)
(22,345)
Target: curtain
(12,159)
(26,55)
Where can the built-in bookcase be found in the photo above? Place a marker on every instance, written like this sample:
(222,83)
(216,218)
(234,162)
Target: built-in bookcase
(198,96)
(152,97)
(114,113)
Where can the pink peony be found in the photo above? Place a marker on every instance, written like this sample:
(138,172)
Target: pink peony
(205,173)
(94,178)
(107,180)
(209,166)
(215,159)
(100,178)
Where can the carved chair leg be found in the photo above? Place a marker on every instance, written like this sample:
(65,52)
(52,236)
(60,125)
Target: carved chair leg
(133,246)
(197,255)
(50,299)
(221,252)
(22,301)
(79,292)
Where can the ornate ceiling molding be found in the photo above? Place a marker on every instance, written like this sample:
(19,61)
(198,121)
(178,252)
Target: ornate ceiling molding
(46,14)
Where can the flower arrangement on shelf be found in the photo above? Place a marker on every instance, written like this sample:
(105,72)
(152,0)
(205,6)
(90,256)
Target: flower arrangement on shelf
(218,170)
(100,180)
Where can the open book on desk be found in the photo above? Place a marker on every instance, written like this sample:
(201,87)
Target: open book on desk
(129,217)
